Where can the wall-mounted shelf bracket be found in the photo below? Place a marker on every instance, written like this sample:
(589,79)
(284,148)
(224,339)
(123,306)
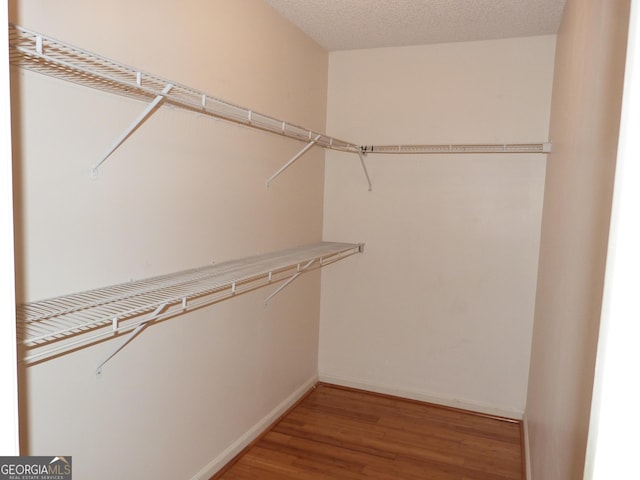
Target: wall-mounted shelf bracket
(143,117)
(299,272)
(322,261)
(131,335)
(293,159)
(361,154)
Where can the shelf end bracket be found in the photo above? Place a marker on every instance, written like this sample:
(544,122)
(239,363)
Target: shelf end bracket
(131,336)
(143,117)
(361,154)
(293,159)
(300,271)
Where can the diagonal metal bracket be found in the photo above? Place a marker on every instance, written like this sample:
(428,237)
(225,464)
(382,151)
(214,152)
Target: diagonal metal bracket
(293,159)
(361,154)
(131,335)
(143,117)
(300,271)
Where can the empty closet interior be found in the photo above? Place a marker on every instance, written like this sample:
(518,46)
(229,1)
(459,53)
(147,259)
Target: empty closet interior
(182,172)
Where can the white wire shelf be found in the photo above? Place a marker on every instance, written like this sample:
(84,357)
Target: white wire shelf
(43,54)
(461,148)
(56,326)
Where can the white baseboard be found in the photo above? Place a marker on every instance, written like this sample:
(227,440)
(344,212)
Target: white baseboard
(236,447)
(526,447)
(426,397)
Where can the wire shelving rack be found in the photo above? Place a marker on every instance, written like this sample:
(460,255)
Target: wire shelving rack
(58,325)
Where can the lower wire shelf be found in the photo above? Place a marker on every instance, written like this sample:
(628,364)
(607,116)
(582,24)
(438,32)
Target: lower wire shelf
(55,326)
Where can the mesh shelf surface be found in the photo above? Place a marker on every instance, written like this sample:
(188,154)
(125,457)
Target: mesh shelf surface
(37,52)
(60,324)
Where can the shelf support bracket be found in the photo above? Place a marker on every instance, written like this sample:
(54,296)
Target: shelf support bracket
(143,117)
(131,336)
(300,271)
(361,154)
(293,159)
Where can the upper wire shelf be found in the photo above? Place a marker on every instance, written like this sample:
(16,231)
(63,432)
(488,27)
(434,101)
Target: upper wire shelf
(37,52)
(43,54)
(54,326)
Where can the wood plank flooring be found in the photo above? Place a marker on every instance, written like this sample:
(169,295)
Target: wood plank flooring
(337,433)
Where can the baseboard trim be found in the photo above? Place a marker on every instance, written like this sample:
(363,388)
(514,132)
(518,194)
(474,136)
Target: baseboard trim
(526,452)
(255,432)
(426,397)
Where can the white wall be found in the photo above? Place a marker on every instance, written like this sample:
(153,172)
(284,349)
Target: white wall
(585,116)
(440,306)
(182,192)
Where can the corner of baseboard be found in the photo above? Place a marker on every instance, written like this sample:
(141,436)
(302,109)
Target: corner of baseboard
(254,432)
(428,397)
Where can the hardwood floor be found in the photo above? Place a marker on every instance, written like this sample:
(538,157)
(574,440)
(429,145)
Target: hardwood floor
(337,433)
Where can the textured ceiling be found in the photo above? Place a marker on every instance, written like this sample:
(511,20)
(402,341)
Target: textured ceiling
(353,24)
